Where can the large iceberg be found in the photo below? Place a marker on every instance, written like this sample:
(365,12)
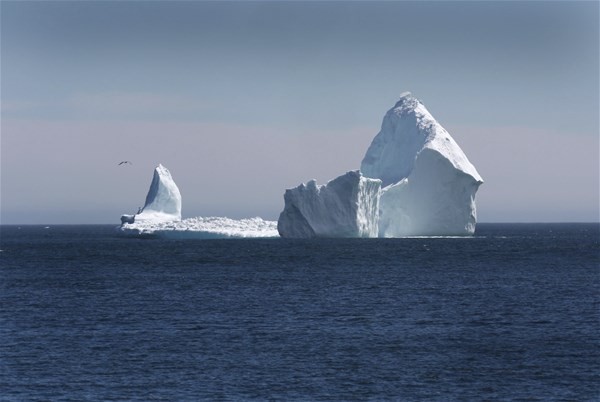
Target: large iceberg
(429,184)
(161,217)
(347,206)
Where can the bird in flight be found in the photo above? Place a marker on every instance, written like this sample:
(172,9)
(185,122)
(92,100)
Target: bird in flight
(125,163)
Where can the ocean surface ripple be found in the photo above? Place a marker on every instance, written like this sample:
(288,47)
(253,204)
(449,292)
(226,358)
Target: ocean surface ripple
(509,314)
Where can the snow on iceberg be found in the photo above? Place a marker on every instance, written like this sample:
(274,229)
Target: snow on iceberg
(161,217)
(346,206)
(429,184)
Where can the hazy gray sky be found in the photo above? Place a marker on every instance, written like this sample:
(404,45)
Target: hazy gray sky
(241,100)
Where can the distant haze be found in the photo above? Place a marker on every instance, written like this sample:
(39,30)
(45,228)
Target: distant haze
(241,100)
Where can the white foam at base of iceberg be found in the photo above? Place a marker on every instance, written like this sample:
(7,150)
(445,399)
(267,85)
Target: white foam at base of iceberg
(203,228)
(347,206)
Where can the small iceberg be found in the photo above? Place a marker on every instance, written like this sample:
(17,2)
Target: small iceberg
(161,217)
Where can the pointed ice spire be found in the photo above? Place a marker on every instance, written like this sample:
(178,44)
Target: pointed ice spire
(163,202)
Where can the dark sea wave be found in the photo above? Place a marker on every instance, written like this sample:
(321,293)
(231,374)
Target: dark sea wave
(511,314)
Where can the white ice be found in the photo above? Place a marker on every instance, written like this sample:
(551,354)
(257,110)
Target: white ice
(161,217)
(163,201)
(429,184)
(204,228)
(429,189)
(346,206)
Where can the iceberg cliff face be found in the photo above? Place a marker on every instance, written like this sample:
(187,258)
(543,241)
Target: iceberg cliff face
(344,207)
(430,184)
(163,202)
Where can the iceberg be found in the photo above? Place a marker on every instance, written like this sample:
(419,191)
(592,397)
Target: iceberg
(161,217)
(424,186)
(414,181)
(347,206)
(429,185)
(163,201)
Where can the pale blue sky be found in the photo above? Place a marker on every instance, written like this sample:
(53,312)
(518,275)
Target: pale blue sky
(241,100)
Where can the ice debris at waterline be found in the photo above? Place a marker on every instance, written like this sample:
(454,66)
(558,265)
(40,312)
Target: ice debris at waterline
(161,217)
(347,206)
(429,185)
(204,228)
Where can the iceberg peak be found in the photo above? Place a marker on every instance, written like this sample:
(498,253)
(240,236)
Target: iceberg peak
(407,103)
(429,185)
(406,130)
(163,201)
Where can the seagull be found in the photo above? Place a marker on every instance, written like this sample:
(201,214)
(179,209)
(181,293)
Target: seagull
(124,163)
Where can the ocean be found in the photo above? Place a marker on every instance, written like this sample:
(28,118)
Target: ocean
(509,314)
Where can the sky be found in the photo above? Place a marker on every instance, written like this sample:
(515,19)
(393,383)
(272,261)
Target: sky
(241,100)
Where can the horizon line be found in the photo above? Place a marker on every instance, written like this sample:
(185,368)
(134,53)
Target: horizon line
(478,223)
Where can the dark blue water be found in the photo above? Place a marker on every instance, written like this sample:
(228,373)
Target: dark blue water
(509,314)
